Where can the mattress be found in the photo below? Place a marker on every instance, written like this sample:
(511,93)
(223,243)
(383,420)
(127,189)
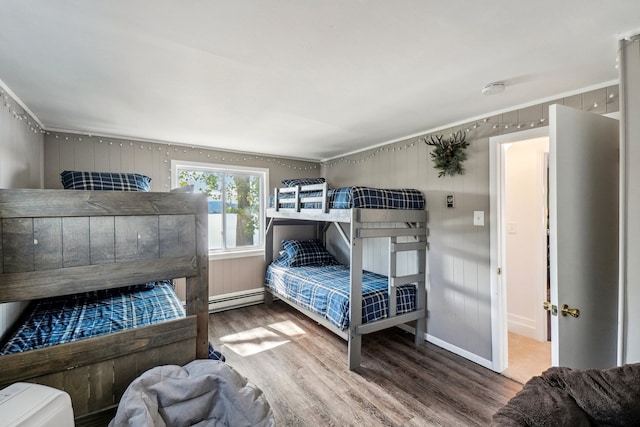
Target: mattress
(363,197)
(70,318)
(324,290)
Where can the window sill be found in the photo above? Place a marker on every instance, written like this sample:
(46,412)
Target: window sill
(214,256)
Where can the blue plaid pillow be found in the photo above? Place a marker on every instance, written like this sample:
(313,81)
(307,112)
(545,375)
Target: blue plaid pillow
(301,181)
(283,260)
(308,252)
(106,181)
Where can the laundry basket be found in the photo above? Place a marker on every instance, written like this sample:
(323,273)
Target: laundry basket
(201,393)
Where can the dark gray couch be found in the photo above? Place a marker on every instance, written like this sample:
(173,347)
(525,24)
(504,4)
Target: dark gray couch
(569,397)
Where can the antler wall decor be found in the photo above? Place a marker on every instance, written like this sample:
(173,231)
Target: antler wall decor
(449,153)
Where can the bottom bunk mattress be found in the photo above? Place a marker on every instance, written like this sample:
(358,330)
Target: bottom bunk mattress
(64,319)
(325,290)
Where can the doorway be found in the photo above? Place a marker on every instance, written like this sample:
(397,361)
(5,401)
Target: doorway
(584,211)
(519,202)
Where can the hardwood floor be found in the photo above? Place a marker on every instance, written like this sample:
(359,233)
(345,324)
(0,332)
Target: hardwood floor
(301,368)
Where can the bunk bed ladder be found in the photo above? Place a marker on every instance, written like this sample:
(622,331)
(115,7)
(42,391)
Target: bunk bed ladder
(392,276)
(395,248)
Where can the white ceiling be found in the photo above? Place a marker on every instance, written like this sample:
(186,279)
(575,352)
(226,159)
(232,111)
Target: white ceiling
(300,78)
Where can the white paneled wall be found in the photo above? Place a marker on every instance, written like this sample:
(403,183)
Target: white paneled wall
(65,151)
(81,152)
(375,253)
(20,167)
(458,283)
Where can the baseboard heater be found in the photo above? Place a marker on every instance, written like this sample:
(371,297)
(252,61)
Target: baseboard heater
(236,300)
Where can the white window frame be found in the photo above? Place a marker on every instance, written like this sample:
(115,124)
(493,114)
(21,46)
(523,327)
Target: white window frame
(215,254)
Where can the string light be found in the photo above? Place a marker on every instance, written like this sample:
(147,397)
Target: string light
(498,127)
(8,103)
(187,150)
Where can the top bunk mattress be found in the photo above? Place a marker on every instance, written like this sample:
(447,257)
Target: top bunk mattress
(64,319)
(361,197)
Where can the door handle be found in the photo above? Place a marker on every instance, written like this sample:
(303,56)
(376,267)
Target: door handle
(550,307)
(573,312)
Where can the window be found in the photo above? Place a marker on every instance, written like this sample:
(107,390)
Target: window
(236,197)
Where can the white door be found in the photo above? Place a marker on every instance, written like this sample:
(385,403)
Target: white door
(583,172)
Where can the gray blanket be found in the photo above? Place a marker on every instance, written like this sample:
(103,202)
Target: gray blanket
(202,393)
(568,397)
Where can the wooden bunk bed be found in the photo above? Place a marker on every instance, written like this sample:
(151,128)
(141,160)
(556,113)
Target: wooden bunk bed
(61,242)
(405,230)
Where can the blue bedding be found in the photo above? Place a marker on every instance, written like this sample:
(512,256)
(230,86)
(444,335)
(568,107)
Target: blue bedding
(105,181)
(70,318)
(364,197)
(325,291)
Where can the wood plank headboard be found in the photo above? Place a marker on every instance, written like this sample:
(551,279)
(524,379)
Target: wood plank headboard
(60,242)
(57,242)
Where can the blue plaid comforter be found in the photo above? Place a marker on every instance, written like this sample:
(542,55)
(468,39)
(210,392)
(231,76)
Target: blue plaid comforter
(325,291)
(70,318)
(365,197)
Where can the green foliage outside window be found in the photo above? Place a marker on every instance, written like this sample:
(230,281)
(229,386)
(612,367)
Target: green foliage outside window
(241,198)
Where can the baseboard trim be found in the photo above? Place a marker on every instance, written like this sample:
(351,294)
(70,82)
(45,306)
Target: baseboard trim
(461,352)
(521,325)
(452,348)
(236,300)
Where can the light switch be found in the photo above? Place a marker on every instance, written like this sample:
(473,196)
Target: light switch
(478,218)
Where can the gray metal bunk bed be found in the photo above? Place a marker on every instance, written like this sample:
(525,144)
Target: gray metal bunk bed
(404,227)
